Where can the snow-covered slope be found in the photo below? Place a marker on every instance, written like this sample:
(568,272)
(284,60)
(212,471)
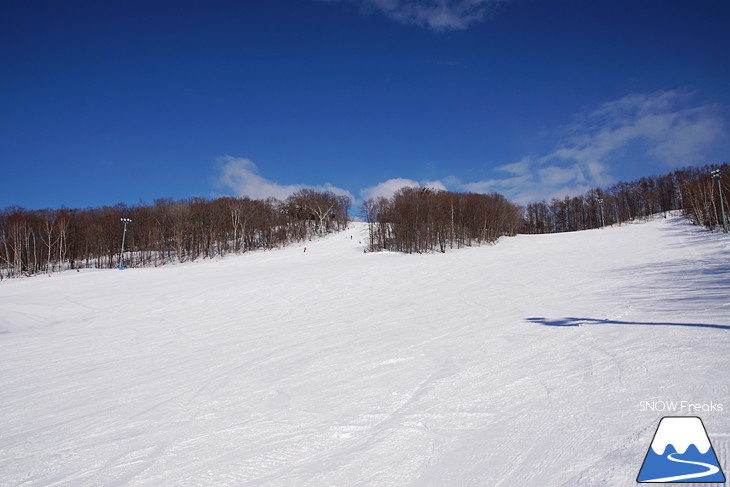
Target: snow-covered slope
(521,363)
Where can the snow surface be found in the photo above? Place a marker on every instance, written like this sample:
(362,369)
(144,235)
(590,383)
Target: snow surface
(520,363)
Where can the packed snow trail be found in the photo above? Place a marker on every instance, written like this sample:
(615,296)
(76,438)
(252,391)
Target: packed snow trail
(337,367)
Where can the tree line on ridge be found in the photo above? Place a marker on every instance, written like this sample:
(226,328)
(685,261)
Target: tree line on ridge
(413,220)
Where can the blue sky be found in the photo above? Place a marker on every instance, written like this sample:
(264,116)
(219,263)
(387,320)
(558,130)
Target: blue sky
(109,102)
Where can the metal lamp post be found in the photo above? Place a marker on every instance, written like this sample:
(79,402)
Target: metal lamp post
(600,205)
(716,175)
(124,235)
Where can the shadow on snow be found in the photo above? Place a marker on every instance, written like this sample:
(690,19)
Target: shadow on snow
(592,321)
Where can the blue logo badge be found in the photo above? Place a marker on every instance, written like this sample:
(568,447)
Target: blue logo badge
(680,452)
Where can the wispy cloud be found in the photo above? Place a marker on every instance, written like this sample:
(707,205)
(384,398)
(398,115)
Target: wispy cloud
(663,125)
(655,127)
(436,15)
(241,176)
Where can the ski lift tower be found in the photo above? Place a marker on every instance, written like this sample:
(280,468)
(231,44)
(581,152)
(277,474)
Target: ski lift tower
(121,255)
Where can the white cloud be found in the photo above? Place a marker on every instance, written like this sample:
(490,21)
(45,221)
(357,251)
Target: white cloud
(437,185)
(661,127)
(640,128)
(388,188)
(688,139)
(552,176)
(519,168)
(241,176)
(437,15)
(520,176)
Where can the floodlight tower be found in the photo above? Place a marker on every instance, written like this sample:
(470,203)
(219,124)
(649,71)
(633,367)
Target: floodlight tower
(600,205)
(121,255)
(716,175)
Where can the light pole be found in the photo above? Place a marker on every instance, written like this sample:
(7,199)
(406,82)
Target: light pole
(121,256)
(600,205)
(716,175)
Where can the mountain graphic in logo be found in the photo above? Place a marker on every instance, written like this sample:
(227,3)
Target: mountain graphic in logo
(681,452)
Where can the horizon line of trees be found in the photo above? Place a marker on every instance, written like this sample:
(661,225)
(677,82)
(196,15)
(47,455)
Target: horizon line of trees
(413,220)
(691,190)
(46,241)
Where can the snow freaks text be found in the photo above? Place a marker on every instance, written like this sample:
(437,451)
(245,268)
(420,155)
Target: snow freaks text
(680,407)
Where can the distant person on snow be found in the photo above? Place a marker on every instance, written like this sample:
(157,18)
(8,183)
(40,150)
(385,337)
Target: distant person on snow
(305,249)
